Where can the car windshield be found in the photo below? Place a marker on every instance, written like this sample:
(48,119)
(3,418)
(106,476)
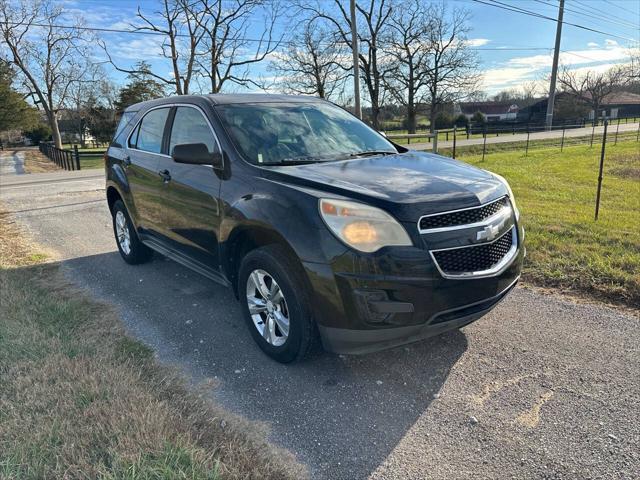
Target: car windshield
(294,133)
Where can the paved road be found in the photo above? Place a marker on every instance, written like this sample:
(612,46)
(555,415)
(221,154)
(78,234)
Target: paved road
(522,137)
(11,163)
(541,388)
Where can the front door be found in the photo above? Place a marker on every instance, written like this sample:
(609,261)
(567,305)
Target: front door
(192,217)
(144,151)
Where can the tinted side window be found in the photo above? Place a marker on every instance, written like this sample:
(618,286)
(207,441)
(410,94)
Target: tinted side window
(125,120)
(151,130)
(190,126)
(134,137)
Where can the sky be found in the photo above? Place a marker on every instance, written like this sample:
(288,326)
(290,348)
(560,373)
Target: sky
(513,48)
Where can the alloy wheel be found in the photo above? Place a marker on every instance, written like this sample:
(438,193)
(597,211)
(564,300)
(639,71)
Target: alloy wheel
(122,232)
(268,307)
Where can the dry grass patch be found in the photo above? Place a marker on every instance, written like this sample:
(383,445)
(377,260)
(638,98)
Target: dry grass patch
(36,162)
(80,399)
(626,166)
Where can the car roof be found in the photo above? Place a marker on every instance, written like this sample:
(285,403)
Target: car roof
(224,99)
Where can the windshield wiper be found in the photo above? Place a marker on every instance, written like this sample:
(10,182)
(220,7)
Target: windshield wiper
(287,162)
(370,153)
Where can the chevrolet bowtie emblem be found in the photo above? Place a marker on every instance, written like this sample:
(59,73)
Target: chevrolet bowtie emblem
(489,232)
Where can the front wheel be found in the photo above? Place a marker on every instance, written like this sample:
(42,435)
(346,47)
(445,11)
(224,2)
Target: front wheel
(274,300)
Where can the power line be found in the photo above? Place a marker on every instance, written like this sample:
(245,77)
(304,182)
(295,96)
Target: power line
(623,24)
(243,39)
(597,11)
(621,8)
(506,6)
(579,55)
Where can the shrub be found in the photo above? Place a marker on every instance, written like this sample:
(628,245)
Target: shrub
(461,121)
(39,133)
(479,118)
(443,120)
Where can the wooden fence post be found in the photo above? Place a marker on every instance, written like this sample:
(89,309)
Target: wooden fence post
(435,141)
(562,141)
(77,156)
(454,142)
(484,146)
(604,144)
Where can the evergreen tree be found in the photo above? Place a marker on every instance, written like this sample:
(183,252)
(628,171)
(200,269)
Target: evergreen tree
(16,113)
(141,87)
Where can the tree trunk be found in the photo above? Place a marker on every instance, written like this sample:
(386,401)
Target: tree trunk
(375,116)
(596,113)
(411,119)
(432,116)
(55,130)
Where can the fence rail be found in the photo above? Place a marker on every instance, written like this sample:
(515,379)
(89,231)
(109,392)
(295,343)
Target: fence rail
(63,158)
(409,136)
(69,159)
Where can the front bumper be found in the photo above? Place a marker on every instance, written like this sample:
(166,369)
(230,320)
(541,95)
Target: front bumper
(365,303)
(347,341)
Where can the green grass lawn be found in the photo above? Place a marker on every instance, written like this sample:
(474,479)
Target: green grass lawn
(91,162)
(556,194)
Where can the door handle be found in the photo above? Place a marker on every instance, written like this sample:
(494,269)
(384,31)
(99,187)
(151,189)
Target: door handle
(166,176)
(126,161)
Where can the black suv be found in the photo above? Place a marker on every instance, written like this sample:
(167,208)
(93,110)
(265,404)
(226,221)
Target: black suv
(322,226)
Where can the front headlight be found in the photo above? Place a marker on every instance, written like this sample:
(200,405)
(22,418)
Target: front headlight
(511,197)
(361,226)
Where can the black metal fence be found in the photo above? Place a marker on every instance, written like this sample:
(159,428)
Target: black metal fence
(67,159)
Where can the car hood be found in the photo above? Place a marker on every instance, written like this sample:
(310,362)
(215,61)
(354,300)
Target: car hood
(408,185)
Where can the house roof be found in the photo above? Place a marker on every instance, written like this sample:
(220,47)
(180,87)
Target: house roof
(622,98)
(488,108)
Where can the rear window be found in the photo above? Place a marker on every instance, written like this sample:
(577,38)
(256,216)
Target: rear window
(125,120)
(151,131)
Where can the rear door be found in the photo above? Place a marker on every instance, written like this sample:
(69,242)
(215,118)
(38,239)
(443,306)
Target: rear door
(144,150)
(192,217)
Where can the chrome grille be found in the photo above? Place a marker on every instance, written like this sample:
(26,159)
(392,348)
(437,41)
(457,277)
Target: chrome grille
(476,258)
(462,217)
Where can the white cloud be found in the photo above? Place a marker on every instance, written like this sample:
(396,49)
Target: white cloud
(518,70)
(143,48)
(592,45)
(477,42)
(610,43)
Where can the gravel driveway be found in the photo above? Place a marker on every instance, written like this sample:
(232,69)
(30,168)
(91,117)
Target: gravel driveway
(543,387)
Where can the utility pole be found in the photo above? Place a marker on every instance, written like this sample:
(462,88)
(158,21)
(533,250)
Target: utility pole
(356,60)
(554,68)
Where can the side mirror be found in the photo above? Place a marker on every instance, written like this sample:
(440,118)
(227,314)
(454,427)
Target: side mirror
(196,154)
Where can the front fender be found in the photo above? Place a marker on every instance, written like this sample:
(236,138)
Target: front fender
(288,213)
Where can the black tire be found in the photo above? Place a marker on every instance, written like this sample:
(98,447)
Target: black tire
(138,252)
(288,274)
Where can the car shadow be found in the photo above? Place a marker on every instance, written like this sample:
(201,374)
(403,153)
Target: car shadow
(342,415)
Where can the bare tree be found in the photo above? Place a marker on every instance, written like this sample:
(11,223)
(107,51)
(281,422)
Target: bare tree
(50,59)
(374,18)
(224,56)
(592,87)
(311,65)
(180,23)
(453,72)
(410,52)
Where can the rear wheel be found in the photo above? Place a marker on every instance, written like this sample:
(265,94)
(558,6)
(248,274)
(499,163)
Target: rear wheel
(274,299)
(132,250)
